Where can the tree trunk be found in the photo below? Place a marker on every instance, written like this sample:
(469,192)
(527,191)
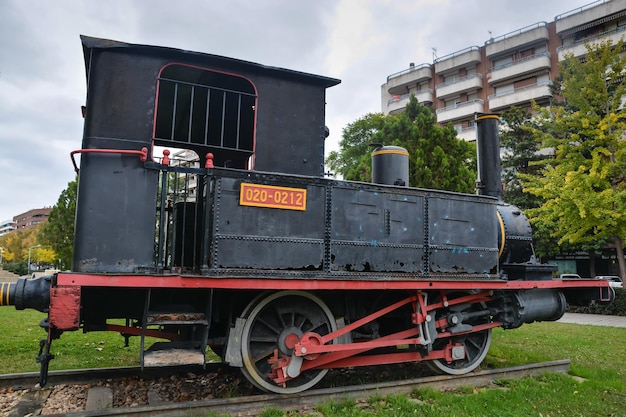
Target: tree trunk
(619,251)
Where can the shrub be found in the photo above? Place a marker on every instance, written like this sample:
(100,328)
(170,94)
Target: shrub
(616,308)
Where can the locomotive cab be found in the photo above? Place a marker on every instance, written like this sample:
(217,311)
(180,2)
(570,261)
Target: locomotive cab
(248,116)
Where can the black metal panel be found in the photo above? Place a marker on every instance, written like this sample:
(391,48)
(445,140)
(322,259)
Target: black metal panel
(120,97)
(376,231)
(462,234)
(353,228)
(266,238)
(290,127)
(115,215)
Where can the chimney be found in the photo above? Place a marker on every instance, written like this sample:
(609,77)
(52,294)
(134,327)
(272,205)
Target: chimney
(489,180)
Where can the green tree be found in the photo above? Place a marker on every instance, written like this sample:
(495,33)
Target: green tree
(583,186)
(17,246)
(58,232)
(352,161)
(438,159)
(519,156)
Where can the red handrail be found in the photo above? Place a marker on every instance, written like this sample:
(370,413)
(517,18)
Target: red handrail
(143,154)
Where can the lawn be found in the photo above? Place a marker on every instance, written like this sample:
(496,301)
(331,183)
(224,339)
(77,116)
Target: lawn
(596,385)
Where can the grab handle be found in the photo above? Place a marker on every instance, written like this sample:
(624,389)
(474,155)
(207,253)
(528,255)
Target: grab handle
(143,154)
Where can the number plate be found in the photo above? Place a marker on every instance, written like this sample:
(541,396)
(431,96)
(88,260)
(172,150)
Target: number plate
(272,196)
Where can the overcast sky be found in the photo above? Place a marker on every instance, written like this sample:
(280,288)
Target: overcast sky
(42,81)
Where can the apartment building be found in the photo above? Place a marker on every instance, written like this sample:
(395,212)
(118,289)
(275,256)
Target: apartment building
(509,70)
(6,227)
(31,218)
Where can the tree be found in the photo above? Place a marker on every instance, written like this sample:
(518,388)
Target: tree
(58,232)
(520,156)
(584,185)
(438,159)
(353,161)
(17,246)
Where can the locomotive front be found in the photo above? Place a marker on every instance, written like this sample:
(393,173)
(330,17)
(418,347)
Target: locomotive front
(234,241)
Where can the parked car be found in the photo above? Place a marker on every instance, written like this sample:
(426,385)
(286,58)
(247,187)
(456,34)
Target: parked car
(569,276)
(614,281)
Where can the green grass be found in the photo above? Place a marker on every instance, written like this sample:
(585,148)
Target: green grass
(598,356)
(19,345)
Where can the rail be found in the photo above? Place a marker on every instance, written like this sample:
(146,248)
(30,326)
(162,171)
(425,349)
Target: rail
(398,98)
(580,9)
(591,39)
(407,71)
(517,90)
(255,404)
(456,106)
(457,53)
(516,32)
(519,61)
(143,154)
(458,80)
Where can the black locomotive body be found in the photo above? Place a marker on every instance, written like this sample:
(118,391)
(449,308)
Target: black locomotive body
(204,218)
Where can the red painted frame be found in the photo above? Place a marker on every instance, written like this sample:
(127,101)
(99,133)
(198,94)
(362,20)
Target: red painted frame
(277,283)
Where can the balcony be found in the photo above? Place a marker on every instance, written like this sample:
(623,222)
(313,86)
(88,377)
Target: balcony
(460,59)
(468,134)
(399,82)
(455,87)
(579,49)
(571,21)
(519,96)
(460,111)
(519,68)
(528,35)
(399,102)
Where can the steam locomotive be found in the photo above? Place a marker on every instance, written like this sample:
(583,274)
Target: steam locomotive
(204,219)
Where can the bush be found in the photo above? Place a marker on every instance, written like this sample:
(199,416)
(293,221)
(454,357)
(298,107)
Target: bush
(616,308)
(20,268)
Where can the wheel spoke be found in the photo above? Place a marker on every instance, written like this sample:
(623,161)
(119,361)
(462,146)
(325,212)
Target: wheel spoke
(272,324)
(471,341)
(275,330)
(476,344)
(317,325)
(279,314)
(262,339)
(300,322)
(259,356)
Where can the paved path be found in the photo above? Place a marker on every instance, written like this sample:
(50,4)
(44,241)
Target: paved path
(594,319)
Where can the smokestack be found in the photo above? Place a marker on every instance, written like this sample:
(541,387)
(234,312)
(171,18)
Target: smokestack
(489,180)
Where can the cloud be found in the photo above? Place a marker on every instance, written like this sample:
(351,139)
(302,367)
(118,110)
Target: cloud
(42,75)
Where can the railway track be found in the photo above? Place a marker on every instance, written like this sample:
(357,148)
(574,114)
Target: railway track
(254,404)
